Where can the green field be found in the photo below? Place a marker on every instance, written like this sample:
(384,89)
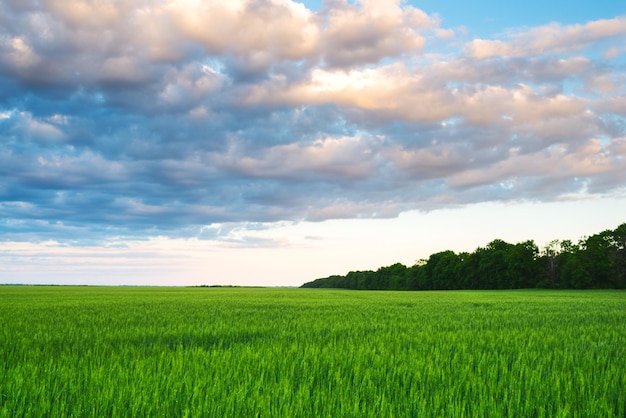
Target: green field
(94,351)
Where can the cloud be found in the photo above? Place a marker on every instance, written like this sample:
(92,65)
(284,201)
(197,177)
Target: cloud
(612,52)
(145,118)
(550,39)
(614,105)
(18,54)
(332,158)
(555,162)
(240,30)
(370,30)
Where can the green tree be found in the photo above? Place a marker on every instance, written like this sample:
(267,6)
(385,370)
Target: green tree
(467,270)
(392,277)
(493,266)
(441,270)
(598,258)
(573,273)
(597,261)
(551,265)
(413,275)
(619,237)
(523,269)
(449,270)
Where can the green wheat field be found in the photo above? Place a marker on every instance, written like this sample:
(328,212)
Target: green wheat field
(242,352)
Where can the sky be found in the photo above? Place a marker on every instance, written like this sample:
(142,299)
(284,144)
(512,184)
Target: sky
(273,142)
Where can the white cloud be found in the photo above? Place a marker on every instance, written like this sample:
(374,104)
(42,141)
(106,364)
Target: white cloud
(189,86)
(165,114)
(612,53)
(371,30)
(444,34)
(555,162)
(550,39)
(242,27)
(87,13)
(122,68)
(37,129)
(18,53)
(616,104)
(617,147)
(332,158)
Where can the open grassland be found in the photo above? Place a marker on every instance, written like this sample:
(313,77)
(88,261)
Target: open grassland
(88,351)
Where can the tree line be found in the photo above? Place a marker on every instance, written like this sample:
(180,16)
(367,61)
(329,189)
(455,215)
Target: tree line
(595,262)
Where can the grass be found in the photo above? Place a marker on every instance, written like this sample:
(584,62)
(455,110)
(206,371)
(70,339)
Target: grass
(90,351)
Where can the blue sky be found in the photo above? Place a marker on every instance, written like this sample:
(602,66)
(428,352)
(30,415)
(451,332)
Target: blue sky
(191,142)
(497,16)
(488,18)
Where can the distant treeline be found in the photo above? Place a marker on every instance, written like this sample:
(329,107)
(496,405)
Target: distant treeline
(595,262)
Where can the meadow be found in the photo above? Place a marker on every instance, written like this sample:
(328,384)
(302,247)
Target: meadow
(198,352)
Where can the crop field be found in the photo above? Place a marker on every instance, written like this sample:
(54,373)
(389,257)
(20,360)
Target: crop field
(115,351)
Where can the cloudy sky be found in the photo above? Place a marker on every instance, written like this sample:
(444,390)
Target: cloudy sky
(272,142)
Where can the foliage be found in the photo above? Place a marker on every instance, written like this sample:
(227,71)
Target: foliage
(596,262)
(88,351)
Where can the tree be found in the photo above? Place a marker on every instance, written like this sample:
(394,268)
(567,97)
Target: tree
(413,273)
(573,274)
(392,277)
(442,271)
(492,268)
(598,259)
(467,270)
(550,258)
(523,268)
(619,236)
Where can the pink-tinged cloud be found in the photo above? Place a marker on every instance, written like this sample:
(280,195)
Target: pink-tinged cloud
(370,30)
(146,115)
(550,39)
